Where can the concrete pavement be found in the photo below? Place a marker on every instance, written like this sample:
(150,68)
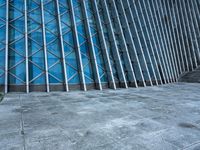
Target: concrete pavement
(163,117)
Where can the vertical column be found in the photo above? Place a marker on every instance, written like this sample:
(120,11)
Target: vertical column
(26,46)
(193,32)
(168,35)
(190,33)
(130,42)
(6,48)
(180,33)
(158,26)
(173,38)
(91,45)
(134,32)
(77,47)
(44,44)
(165,43)
(196,15)
(157,45)
(124,49)
(62,47)
(110,45)
(177,37)
(142,38)
(167,48)
(197,10)
(186,35)
(104,48)
(122,77)
(151,49)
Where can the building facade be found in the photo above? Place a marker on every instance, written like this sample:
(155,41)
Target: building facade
(63,45)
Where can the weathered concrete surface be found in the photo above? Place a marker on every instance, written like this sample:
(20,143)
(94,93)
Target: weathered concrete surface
(191,77)
(154,118)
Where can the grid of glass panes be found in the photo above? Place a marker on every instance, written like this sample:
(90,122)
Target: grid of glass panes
(35,44)
(108,44)
(129,42)
(156,37)
(148,38)
(83,43)
(95,40)
(55,70)
(2,40)
(138,19)
(118,40)
(39,50)
(16,55)
(68,42)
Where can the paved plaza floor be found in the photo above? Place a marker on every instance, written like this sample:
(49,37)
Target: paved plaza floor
(165,117)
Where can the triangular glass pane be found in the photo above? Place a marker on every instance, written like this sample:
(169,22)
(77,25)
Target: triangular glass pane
(49,36)
(18,46)
(53,80)
(34,71)
(70,71)
(67,48)
(68,38)
(38,59)
(2,34)
(14,58)
(31,5)
(37,36)
(52,59)
(39,80)
(33,47)
(3,12)
(54,47)
(2,57)
(13,80)
(19,71)
(74,80)
(52,26)
(66,19)
(71,59)
(87,80)
(2,80)
(84,60)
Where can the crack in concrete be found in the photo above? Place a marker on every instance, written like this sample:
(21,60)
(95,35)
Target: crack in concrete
(189,146)
(22,124)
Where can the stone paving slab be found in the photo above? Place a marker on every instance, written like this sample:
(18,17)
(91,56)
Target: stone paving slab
(163,117)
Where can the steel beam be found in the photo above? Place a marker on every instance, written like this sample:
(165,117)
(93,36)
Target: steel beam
(77,47)
(130,42)
(115,50)
(134,7)
(6,48)
(62,47)
(185,31)
(167,48)
(197,20)
(91,46)
(173,38)
(157,45)
(134,27)
(150,42)
(182,37)
(103,46)
(190,33)
(127,61)
(197,53)
(44,46)
(177,37)
(169,39)
(26,46)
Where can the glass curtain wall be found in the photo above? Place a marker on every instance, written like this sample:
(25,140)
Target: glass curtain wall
(62,45)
